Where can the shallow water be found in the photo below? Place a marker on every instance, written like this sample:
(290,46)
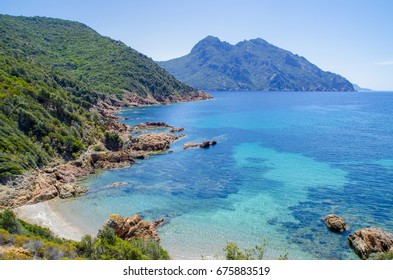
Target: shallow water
(283,161)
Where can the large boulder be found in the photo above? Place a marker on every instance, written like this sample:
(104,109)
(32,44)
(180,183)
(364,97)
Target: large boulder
(335,223)
(133,227)
(371,240)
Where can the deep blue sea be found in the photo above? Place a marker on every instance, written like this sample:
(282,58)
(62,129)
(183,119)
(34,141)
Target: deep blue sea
(283,161)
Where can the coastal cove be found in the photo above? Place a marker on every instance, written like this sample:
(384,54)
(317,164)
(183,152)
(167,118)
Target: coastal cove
(283,161)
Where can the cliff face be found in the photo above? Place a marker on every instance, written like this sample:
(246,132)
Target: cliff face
(251,65)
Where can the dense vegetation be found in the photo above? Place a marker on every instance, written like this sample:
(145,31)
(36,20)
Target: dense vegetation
(52,73)
(21,240)
(106,65)
(251,65)
(42,114)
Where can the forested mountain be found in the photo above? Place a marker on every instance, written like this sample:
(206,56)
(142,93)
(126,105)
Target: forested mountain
(250,65)
(52,74)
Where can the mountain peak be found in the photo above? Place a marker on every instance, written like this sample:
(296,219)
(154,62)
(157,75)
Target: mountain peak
(251,65)
(256,41)
(210,42)
(211,39)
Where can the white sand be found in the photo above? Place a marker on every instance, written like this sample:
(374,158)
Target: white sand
(42,214)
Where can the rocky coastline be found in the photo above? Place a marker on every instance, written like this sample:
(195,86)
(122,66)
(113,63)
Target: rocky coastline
(366,242)
(59,179)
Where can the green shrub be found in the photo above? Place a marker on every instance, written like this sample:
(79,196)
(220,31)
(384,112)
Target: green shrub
(151,249)
(35,230)
(108,246)
(382,256)
(85,246)
(97,148)
(233,252)
(9,168)
(119,250)
(107,235)
(112,141)
(20,240)
(9,222)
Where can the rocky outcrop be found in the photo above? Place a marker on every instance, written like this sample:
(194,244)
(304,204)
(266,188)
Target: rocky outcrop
(46,184)
(70,190)
(153,142)
(108,160)
(335,223)
(176,129)
(133,227)
(156,125)
(205,144)
(370,240)
(59,179)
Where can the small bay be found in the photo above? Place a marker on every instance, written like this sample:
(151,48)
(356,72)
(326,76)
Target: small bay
(283,161)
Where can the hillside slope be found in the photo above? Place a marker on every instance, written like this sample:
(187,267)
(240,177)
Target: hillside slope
(250,65)
(107,66)
(54,74)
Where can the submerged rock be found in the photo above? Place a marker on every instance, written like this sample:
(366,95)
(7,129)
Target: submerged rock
(371,240)
(205,144)
(157,124)
(176,129)
(335,223)
(134,227)
(116,185)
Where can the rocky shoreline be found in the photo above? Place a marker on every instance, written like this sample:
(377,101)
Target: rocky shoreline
(128,228)
(366,242)
(59,179)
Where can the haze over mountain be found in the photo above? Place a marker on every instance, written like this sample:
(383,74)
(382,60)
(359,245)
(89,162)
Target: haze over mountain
(250,65)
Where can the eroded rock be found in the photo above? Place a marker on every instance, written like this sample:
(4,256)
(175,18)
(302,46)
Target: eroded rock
(335,223)
(205,144)
(133,227)
(70,190)
(153,142)
(370,240)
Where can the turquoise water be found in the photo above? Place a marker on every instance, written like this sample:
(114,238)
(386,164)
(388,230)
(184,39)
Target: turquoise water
(283,161)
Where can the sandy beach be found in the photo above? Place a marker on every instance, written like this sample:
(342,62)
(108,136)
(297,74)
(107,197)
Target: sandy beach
(44,215)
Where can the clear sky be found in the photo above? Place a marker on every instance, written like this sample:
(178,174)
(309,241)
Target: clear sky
(353,38)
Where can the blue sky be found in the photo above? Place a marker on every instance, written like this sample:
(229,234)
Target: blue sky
(348,37)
